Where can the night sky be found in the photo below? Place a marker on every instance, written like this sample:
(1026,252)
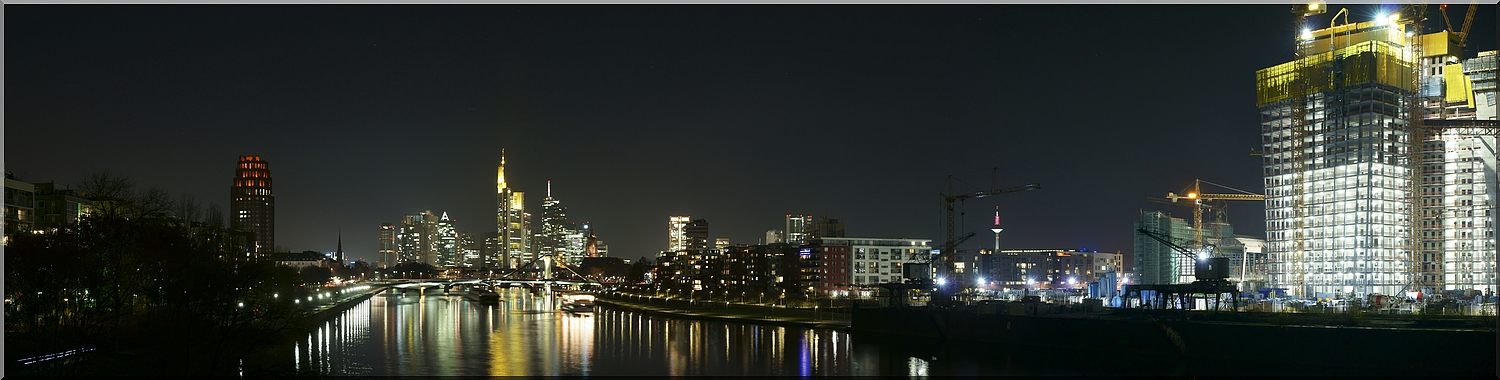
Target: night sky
(735,114)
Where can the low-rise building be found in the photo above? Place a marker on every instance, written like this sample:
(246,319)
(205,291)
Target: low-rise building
(20,207)
(57,207)
(1047,268)
(856,266)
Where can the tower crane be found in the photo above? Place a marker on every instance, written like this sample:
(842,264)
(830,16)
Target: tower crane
(1463,34)
(1195,195)
(944,293)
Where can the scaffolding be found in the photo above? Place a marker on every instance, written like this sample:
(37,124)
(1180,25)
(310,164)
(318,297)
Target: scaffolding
(1372,185)
(1336,174)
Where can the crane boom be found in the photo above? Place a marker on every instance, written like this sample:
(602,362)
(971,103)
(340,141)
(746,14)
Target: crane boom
(945,292)
(1180,249)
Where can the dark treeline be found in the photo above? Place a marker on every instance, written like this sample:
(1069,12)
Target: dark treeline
(146,284)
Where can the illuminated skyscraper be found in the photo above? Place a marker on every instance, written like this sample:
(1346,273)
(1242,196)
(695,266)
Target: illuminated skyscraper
(447,242)
(697,235)
(252,207)
(677,233)
(387,255)
(555,232)
(796,229)
(418,239)
(1357,200)
(511,221)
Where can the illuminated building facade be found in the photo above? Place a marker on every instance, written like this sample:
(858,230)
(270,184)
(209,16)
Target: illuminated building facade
(796,229)
(721,243)
(1339,166)
(575,246)
(1157,263)
(468,250)
(511,222)
(554,237)
(20,205)
(387,243)
(697,234)
(774,236)
(855,266)
(677,232)
(253,207)
(1048,268)
(418,238)
(447,242)
(1456,235)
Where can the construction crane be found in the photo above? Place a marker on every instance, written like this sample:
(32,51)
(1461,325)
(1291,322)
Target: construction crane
(1298,92)
(944,293)
(1206,267)
(1195,195)
(1463,34)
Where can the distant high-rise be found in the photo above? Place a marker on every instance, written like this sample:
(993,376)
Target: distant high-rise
(468,250)
(387,256)
(676,233)
(721,243)
(796,228)
(1157,263)
(774,236)
(511,222)
(825,227)
(447,242)
(697,234)
(252,207)
(555,233)
(419,238)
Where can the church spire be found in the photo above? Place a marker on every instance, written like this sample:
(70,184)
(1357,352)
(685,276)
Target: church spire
(341,247)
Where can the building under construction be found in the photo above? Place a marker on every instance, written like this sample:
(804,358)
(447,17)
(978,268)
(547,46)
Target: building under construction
(1353,205)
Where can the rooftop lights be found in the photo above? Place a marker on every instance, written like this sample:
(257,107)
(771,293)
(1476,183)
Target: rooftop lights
(1306,34)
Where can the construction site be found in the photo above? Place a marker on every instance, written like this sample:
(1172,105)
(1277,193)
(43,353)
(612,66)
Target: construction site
(1378,157)
(1378,153)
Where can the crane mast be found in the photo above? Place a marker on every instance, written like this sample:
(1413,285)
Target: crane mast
(944,293)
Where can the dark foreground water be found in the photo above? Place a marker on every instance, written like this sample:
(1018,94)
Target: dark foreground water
(439,335)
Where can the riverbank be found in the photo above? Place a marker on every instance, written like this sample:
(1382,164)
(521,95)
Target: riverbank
(324,312)
(730,312)
(1226,337)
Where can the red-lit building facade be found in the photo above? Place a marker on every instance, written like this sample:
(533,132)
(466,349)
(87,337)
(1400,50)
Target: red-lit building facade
(252,206)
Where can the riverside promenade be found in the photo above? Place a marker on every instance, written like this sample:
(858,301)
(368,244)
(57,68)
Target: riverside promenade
(817,317)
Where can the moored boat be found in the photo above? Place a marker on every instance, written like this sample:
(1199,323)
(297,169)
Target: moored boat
(577,303)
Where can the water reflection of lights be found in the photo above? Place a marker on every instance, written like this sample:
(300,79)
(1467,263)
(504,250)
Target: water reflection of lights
(916,367)
(527,337)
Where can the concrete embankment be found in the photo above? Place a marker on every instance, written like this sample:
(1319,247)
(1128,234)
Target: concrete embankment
(742,313)
(323,313)
(1438,351)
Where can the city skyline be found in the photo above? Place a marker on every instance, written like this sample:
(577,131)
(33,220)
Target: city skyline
(770,111)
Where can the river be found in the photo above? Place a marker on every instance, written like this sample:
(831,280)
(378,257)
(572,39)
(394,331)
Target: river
(433,334)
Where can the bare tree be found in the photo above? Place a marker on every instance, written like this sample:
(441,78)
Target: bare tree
(108,192)
(189,209)
(152,202)
(214,218)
